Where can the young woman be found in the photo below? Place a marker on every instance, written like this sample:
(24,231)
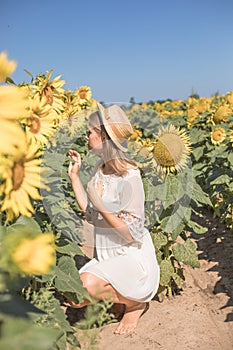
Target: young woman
(125,267)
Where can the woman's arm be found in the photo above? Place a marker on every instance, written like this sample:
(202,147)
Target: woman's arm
(73,172)
(114,221)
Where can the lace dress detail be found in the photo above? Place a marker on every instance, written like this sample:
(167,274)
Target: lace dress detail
(135,225)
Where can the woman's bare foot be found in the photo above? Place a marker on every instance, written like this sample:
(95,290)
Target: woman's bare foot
(130,319)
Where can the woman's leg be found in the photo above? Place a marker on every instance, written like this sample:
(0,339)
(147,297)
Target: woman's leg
(102,290)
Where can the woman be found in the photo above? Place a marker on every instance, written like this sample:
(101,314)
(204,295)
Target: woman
(125,267)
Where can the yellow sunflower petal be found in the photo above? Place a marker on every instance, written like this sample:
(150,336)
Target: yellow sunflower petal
(12,138)
(23,202)
(35,256)
(22,181)
(17,109)
(6,67)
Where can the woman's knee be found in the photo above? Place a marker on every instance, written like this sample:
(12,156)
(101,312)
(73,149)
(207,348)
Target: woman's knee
(91,282)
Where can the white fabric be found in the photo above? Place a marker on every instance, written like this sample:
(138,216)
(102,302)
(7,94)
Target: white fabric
(132,269)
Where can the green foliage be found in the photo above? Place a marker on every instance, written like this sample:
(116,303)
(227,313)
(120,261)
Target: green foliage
(186,253)
(26,335)
(213,164)
(19,326)
(173,201)
(97,315)
(67,279)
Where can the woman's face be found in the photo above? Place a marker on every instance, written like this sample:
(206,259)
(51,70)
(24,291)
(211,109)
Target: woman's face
(94,141)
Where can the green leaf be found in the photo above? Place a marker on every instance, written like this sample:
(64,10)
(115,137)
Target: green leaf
(15,306)
(199,196)
(174,222)
(166,272)
(3,231)
(170,191)
(186,253)
(9,81)
(68,280)
(29,73)
(22,334)
(223,179)
(230,158)
(197,228)
(197,153)
(69,248)
(177,231)
(25,223)
(159,239)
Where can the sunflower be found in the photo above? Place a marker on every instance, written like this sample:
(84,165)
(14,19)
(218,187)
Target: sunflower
(229,98)
(71,104)
(27,251)
(134,108)
(148,143)
(35,256)
(176,104)
(191,101)
(137,134)
(201,105)
(231,136)
(41,121)
(50,90)
(217,136)
(84,94)
(192,115)
(6,67)
(22,174)
(75,122)
(144,105)
(12,138)
(221,115)
(17,109)
(159,107)
(171,150)
(40,129)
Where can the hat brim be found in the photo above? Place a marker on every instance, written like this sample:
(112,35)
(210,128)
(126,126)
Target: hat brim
(109,129)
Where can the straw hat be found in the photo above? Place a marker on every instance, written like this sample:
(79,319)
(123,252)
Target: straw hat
(116,124)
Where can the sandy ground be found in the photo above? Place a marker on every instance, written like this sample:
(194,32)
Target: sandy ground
(201,317)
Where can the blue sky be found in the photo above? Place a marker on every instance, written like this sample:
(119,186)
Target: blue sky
(144,49)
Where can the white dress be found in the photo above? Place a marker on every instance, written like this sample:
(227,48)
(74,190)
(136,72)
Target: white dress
(131,268)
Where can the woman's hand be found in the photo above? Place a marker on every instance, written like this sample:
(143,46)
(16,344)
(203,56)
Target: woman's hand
(75,164)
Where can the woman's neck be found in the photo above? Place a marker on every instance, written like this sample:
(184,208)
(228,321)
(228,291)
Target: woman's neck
(107,169)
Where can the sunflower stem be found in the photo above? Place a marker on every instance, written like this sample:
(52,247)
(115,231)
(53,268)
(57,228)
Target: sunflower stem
(169,291)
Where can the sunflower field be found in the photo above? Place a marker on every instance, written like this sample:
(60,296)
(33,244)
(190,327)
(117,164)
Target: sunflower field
(184,151)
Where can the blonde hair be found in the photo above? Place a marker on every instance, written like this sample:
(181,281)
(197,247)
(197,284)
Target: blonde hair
(112,155)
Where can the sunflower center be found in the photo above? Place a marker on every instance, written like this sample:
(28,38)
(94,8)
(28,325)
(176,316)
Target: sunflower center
(35,125)
(82,94)
(217,135)
(168,150)
(18,175)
